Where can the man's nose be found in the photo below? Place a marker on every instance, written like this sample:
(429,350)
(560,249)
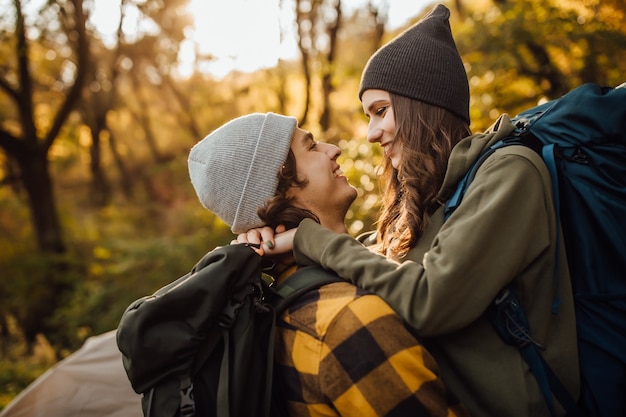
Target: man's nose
(333,151)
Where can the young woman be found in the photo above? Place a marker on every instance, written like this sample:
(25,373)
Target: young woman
(443,276)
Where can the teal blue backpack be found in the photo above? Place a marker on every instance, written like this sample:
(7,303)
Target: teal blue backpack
(582,139)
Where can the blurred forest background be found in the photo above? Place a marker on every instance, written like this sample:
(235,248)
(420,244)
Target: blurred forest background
(96,208)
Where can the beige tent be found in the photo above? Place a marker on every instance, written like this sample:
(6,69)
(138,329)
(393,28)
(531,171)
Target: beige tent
(91,382)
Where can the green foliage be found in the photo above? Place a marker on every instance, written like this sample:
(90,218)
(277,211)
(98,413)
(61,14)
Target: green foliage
(110,269)
(33,288)
(19,364)
(359,161)
(520,52)
(121,271)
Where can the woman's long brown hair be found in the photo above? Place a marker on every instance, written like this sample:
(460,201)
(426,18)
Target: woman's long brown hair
(427,135)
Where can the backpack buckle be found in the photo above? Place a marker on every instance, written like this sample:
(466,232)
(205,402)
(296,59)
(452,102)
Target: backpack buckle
(187,403)
(509,319)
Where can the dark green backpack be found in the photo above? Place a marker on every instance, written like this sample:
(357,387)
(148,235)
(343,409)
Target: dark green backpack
(203,345)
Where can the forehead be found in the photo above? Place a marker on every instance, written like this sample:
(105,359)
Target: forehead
(301,138)
(373,96)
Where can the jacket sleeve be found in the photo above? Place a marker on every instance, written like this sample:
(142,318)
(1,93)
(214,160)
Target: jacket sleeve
(159,335)
(374,366)
(502,225)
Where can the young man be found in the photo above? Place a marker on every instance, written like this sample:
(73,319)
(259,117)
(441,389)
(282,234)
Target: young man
(340,351)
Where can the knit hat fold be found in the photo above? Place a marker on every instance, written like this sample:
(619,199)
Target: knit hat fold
(234,169)
(422,63)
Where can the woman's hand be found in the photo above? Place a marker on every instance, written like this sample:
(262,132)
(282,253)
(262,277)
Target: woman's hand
(273,242)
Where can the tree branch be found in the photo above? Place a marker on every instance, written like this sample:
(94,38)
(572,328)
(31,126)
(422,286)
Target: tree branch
(82,60)
(4,85)
(9,143)
(23,97)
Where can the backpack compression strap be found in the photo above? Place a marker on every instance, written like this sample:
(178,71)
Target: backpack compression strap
(299,283)
(548,155)
(507,316)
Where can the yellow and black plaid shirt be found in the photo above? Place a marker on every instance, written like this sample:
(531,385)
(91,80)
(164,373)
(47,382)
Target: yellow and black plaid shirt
(341,351)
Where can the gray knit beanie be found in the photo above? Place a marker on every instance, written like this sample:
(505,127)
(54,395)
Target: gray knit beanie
(234,170)
(422,63)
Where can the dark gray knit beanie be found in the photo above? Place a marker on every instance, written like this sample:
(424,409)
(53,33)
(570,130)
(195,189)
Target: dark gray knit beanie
(422,63)
(234,169)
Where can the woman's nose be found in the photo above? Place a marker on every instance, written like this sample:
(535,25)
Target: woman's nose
(373,133)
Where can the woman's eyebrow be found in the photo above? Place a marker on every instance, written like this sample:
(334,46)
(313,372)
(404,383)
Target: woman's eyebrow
(375,104)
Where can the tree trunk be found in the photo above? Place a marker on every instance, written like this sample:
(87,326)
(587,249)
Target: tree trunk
(125,175)
(307,87)
(329,68)
(101,190)
(49,282)
(37,182)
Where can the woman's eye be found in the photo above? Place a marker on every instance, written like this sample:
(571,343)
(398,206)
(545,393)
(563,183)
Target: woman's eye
(380,111)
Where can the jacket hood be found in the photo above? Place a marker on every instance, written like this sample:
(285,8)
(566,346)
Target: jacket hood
(467,150)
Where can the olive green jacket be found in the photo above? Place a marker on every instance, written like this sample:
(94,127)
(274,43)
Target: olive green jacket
(504,232)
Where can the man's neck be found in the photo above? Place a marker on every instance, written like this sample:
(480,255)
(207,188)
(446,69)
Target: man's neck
(336,225)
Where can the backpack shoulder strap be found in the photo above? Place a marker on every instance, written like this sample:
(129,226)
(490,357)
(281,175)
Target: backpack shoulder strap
(506,313)
(455,200)
(300,282)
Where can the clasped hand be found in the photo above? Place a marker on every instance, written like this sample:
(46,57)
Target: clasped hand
(273,242)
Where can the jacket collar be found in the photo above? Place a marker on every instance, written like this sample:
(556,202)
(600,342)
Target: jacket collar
(468,149)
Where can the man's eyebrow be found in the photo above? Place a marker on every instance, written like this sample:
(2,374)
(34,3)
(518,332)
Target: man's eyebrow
(307,138)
